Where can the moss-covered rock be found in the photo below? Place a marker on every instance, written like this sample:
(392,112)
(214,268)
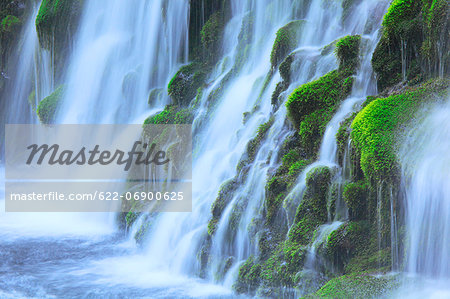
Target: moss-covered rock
(347,50)
(183,86)
(223,199)
(248,277)
(286,40)
(171,114)
(355,196)
(403,52)
(375,129)
(199,12)
(362,285)
(312,105)
(48,107)
(312,211)
(56,24)
(212,35)
(345,242)
(10,24)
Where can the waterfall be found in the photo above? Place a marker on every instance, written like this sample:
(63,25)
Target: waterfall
(425,179)
(426,174)
(30,78)
(176,241)
(125,51)
(122,52)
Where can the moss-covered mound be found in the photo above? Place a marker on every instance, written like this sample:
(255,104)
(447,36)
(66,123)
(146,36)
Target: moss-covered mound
(312,105)
(277,267)
(11,20)
(285,41)
(56,23)
(171,114)
(376,127)
(48,107)
(183,86)
(211,36)
(403,52)
(355,196)
(358,286)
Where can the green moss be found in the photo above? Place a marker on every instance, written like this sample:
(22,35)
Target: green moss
(347,49)
(10,24)
(56,23)
(183,86)
(346,242)
(248,277)
(254,144)
(312,211)
(437,28)
(171,114)
(223,199)
(358,286)
(376,127)
(211,36)
(48,107)
(355,196)
(286,40)
(400,11)
(311,106)
(343,135)
(322,93)
(297,167)
(412,30)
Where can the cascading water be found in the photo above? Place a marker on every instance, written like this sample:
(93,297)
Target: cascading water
(123,52)
(425,165)
(30,79)
(134,48)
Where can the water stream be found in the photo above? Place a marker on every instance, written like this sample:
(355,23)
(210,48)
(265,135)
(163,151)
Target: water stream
(136,49)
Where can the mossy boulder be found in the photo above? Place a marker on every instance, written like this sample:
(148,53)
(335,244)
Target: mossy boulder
(345,242)
(49,106)
(347,50)
(10,24)
(355,196)
(286,40)
(408,49)
(312,211)
(212,35)
(363,285)
(183,86)
(171,114)
(312,105)
(56,24)
(376,128)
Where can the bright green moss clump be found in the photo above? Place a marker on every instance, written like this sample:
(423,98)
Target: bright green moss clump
(358,286)
(285,41)
(376,127)
(57,18)
(312,105)
(347,49)
(49,106)
(171,115)
(408,49)
(183,86)
(355,196)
